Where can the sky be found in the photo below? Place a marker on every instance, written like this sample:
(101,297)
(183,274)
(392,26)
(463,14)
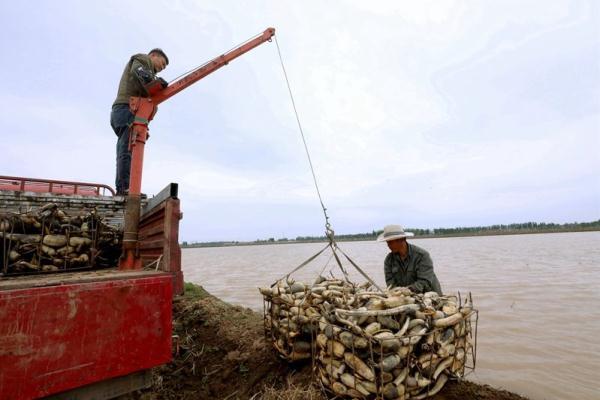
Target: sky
(420,113)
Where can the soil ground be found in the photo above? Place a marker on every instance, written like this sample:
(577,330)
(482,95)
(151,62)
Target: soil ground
(220,352)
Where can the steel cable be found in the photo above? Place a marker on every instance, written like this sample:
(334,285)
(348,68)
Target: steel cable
(208,62)
(328,231)
(312,170)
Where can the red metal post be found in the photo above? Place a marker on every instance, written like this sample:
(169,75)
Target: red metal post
(144,110)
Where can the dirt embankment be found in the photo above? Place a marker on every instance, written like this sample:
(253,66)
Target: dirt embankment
(222,354)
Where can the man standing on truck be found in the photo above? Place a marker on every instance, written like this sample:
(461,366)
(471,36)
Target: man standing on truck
(407,265)
(140,71)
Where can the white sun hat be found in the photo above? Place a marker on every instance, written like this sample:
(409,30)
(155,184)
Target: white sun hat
(391,232)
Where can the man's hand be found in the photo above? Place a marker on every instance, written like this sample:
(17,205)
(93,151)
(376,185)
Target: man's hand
(163,83)
(143,76)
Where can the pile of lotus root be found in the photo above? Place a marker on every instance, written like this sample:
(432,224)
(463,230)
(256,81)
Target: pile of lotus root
(371,345)
(49,239)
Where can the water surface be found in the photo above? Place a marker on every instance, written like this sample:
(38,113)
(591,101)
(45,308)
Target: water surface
(538,298)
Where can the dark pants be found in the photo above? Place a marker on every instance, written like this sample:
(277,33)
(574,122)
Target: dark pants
(120,120)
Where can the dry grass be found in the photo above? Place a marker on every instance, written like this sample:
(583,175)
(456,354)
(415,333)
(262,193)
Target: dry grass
(290,392)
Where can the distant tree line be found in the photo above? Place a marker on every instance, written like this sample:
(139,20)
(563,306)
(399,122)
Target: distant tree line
(501,229)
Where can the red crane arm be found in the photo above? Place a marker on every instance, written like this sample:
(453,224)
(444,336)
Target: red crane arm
(210,67)
(144,109)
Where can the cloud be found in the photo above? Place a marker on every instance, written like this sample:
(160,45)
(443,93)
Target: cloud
(55,139)
(428,114)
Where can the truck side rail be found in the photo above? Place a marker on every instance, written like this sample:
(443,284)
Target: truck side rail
(22,184)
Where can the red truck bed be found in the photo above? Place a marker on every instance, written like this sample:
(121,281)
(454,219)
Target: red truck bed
(93,334)
(69,330)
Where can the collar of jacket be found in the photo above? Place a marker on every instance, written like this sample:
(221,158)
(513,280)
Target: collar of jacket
(408,254)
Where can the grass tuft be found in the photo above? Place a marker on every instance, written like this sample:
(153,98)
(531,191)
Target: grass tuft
(193,291)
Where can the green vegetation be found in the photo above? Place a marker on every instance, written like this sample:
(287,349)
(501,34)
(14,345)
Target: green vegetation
(510,229)
(193,291)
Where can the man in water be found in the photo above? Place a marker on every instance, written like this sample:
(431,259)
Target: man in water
(407,265)
(141,70)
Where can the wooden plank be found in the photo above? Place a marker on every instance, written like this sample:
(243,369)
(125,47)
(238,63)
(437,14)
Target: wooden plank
(69,278)
(152,244)
(169,192)
(153,213)
(172,255)
(148,232)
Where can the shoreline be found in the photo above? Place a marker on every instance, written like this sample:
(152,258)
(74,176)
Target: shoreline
(367,239)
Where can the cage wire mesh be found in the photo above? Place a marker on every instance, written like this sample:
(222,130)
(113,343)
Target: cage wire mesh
(372,345)
(49,239)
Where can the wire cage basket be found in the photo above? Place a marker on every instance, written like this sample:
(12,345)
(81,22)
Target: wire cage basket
(48,239)
(382,365)
(372,345)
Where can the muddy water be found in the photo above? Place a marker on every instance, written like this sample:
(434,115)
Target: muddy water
(538,297)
